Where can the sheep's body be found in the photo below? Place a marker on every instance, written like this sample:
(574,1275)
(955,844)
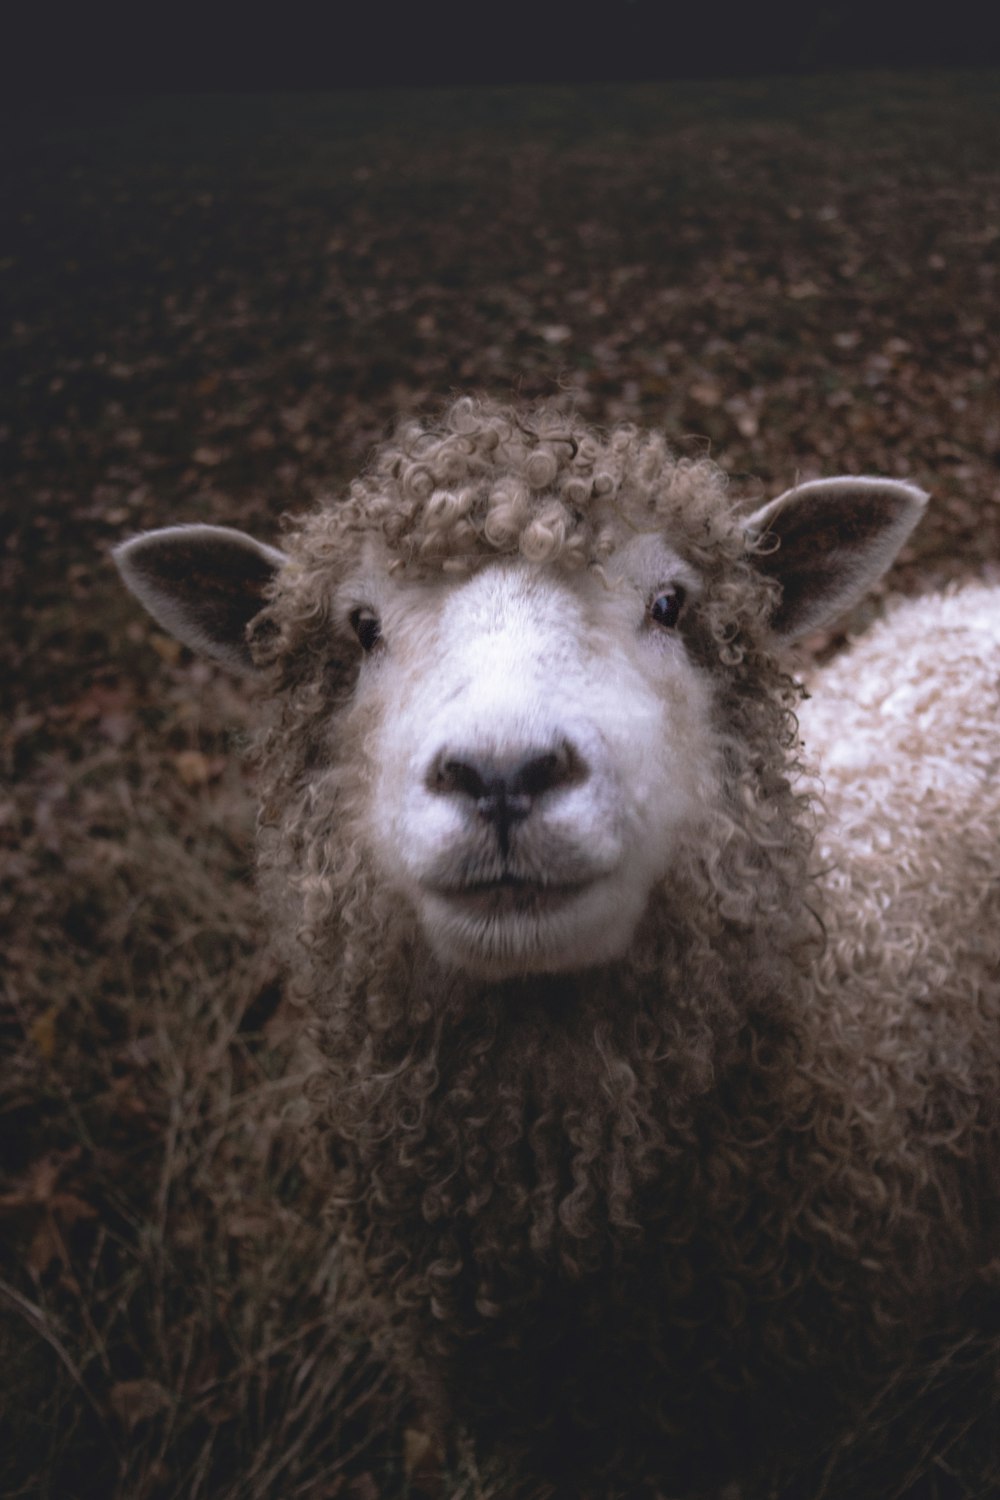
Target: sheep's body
(903,730)
(666,1137)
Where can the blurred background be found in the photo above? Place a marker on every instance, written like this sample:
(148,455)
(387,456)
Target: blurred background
(113,44)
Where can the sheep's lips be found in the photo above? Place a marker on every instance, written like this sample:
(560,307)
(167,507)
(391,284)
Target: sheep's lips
(512,926)
(511,895)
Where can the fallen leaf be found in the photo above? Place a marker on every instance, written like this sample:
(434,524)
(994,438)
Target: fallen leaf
(249,1226)
(46,1249)
(43,1032)
(166,648)
(135,1401)
(69,1209)
(196,769)
(422,1462)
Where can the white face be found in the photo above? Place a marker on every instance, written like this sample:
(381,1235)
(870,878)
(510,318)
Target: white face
(542,744)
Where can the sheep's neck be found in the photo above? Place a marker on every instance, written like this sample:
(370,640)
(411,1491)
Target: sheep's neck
(565,1107)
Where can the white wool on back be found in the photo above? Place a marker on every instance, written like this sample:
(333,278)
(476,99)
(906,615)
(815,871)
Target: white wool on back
(903,731)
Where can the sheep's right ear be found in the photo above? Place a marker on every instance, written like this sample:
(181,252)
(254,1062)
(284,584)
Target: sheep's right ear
(827,541)
(203,584)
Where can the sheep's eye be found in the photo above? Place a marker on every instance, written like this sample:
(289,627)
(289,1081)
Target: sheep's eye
(666,608)
(365,624)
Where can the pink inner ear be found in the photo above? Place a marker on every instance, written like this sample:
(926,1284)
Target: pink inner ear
(835,539)
(204,584)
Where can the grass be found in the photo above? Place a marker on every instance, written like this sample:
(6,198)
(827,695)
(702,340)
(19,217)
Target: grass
(169,1273)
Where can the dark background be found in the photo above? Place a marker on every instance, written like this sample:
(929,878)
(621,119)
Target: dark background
(64,48)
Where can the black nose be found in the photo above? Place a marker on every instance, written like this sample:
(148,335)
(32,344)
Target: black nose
(504,793)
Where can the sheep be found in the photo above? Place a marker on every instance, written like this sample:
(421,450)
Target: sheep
(658,998)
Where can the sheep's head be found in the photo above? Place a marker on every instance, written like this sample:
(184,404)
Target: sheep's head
(521,671)
(518,722)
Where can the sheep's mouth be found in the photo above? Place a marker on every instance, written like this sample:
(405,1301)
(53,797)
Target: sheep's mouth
(511,895)
(511,924)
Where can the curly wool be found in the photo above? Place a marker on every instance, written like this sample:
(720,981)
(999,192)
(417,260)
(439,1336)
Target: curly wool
(645,1189)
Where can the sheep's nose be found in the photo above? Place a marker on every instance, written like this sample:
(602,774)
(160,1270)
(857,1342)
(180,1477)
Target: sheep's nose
(504,790)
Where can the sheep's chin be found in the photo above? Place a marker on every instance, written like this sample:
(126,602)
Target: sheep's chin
(506,935)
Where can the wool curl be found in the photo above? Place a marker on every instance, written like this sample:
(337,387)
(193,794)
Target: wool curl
(491,480)
(620,1224)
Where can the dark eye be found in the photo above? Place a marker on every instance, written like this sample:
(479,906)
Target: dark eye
(365,624)
(666,608)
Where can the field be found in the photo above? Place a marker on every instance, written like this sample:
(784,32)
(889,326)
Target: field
(215,307)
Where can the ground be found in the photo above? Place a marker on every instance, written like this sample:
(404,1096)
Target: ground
(215,307)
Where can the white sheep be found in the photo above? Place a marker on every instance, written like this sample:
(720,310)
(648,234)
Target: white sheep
(662,1076)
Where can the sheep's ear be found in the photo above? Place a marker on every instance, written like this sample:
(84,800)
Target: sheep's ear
(203,584)
(827,541)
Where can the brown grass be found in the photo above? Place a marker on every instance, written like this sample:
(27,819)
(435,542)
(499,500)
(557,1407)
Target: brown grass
(168,1282)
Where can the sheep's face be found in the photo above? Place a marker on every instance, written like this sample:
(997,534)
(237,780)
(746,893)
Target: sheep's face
(542,742)
(525,677)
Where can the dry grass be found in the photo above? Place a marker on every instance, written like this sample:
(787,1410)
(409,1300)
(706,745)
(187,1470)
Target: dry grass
(169,1280)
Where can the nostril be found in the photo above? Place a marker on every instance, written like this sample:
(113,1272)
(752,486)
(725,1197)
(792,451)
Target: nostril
(536,776)
(544,773)
(458,776)
(487,779)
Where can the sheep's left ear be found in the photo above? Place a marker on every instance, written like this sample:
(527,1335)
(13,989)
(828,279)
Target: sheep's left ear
(203,584)
(827,541)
